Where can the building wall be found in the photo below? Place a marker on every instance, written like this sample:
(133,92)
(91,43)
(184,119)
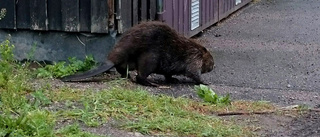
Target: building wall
(60,29)
(181,14)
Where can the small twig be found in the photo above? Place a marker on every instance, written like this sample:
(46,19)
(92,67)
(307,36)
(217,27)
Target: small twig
(314,110)
(245,113)
(262,112)
(311,110)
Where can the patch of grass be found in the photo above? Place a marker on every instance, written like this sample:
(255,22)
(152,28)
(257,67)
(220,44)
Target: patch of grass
(17,116)
(22,109)
(33,123)
(65,93)
(74,131)
(13,80)
(25,111)
(143,112)
(40,99)
(150,114)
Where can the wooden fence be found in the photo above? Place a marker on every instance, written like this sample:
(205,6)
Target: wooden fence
(94,16)
(188,17)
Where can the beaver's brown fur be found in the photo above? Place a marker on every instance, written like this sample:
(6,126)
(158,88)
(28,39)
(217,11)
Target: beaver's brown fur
(154,47)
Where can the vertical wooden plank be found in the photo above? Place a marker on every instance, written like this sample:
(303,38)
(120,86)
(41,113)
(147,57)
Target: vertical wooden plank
(70,15)
(180,16)
(204,8)
(221,9)
(126,14)
(208,11)
(225,6)
(233,4)
(203,11)
(111,14)
(216,10)
(152,9)
(168,14)
(176,15)
(135,12)
(23,14)
(187,20)
(228,5)
(143,10)
(99,16)
(7,10)
(54,15)
(38,16)
(85,15)
(213,9)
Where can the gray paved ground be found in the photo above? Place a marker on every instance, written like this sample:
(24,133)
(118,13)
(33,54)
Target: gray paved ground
(268,50)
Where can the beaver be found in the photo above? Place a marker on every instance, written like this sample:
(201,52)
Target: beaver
(154,47)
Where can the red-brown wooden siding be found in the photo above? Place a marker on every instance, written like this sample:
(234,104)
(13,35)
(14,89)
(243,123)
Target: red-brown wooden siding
(96,16)
(177,13)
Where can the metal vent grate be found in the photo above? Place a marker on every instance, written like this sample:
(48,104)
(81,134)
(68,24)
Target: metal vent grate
(195,14)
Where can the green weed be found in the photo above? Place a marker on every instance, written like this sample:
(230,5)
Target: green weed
(61,69)
(13,80)
(208,95)
(17,116)
(40,99)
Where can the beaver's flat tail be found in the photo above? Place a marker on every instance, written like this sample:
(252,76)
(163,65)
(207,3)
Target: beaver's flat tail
(98,70)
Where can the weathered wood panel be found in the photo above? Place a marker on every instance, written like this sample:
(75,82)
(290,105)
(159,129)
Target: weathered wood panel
(180,16)
(99,16)
(7,14)
(152,9)
(54,15)
(187,17)
(203,11)
(23,14)
(175,7)
(143,10)
(70,16)
(124,15)
(38,16)
(85,15)
(135,12)
(111,16)
(215,6)
(168,15)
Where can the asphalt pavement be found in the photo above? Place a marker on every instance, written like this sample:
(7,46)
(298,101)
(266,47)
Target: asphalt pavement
(268,50)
